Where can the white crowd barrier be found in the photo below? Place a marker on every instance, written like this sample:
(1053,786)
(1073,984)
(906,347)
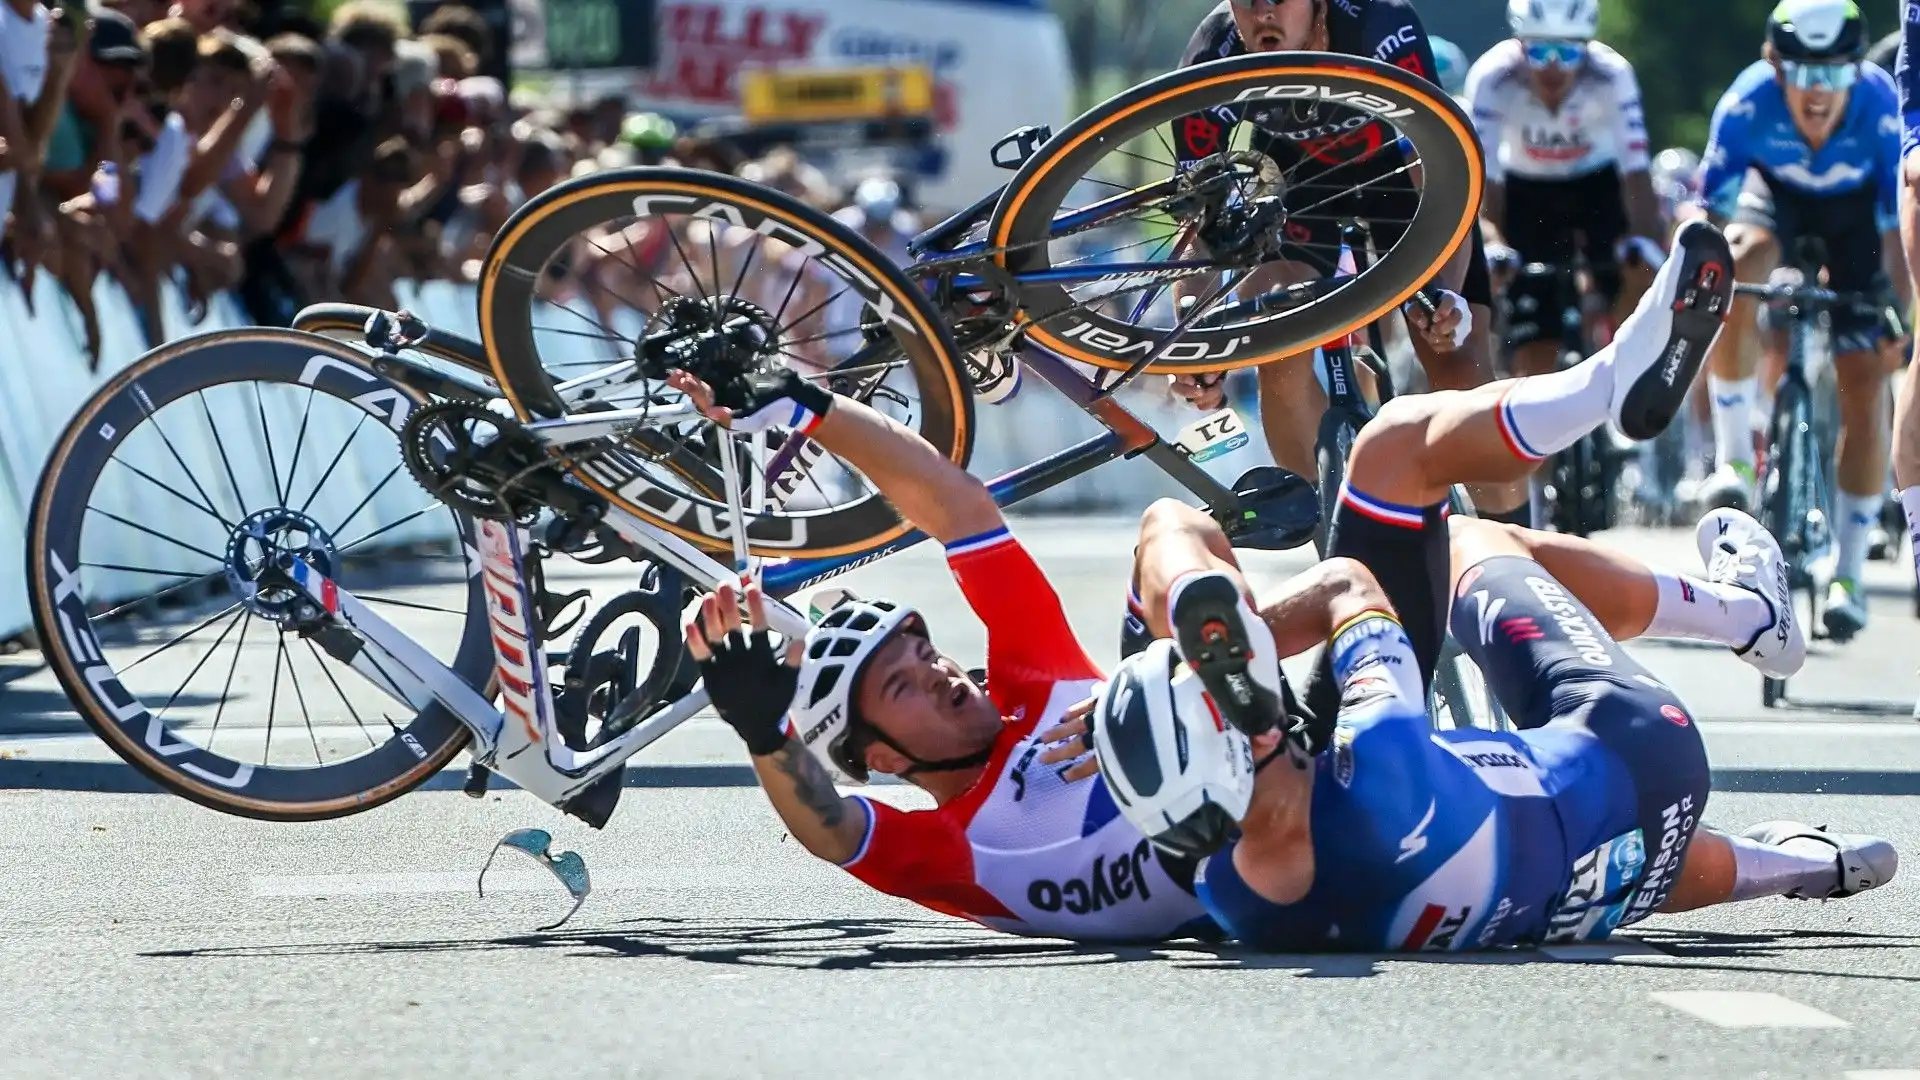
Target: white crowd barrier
(43,373)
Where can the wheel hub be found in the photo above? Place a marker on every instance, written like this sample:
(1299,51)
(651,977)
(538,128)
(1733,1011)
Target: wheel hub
(259,546)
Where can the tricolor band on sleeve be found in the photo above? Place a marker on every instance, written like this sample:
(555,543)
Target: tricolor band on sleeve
(866,836)
(986,541)
(1408,517)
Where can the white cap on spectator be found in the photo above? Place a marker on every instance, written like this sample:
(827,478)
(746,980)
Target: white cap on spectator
(415,66)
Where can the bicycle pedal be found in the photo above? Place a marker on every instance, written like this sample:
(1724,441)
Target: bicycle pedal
(478,777)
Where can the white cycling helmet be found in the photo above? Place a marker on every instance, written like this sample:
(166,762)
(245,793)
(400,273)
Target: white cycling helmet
(1179,772)
(1566,20)
(837,648)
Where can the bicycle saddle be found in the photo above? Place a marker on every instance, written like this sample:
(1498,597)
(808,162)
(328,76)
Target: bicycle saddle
(1278,510)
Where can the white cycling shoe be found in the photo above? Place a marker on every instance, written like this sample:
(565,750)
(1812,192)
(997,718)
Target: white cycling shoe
(1865,862)
(1660,347)
(1737,551)
(1731,484)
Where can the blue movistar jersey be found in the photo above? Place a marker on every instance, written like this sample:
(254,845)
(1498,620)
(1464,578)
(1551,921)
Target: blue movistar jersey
(1908,79)
(1753,130)
(1444,840)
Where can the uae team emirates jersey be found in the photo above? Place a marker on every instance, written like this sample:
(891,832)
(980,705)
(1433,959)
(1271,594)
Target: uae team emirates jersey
(1023,850)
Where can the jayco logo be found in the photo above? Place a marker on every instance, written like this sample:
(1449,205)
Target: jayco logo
(1106,884)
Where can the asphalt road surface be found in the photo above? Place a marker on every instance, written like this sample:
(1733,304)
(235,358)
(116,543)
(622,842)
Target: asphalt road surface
(143,936)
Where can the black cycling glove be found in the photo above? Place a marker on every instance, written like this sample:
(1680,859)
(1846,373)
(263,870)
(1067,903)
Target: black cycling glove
(752,688)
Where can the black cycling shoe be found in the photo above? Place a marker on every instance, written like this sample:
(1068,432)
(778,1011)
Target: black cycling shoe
(1660,348)
(1134,635)
(1231,650)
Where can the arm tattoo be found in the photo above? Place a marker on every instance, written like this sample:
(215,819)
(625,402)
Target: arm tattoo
(812,783)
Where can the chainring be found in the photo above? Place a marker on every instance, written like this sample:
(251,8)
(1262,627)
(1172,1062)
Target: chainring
(448,450)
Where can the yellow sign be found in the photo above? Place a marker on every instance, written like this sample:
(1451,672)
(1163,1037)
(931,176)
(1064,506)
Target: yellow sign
(810,95)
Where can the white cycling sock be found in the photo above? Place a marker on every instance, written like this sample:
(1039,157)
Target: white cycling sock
(1544,414)
(1732,409)
(1690,607)
(1856,514)
(1801,865)
(1910,502)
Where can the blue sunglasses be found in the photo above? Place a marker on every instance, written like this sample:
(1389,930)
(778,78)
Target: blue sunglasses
(1555,53)
(1834,77)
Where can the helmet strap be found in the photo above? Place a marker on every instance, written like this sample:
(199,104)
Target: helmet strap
(952,764)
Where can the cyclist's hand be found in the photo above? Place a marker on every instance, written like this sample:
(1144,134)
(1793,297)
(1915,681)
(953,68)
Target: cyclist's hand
(1069,740)
(1447,328)
(1910,168)
(1204,392)
(1630,249)
(780,399)
(1894,353)
(750,682)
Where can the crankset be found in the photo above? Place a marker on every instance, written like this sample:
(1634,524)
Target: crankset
(476,461)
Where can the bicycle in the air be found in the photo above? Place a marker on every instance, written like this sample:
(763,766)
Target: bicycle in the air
(572,444)
(1796,501)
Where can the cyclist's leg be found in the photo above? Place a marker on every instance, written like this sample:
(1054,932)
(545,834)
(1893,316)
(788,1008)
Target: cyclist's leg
(1470,365)
(1906,408)
(1755,235)
(1631,598)
(1854,266)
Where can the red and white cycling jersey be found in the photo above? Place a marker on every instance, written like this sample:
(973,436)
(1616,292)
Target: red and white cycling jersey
(1022,850)
(1600,123)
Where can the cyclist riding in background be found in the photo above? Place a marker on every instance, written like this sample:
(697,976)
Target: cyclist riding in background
(1806,143)
(1340,163)
(1013,841)
(1567,170)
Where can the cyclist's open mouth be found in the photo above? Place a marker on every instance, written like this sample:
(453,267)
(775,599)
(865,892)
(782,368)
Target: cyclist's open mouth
(1268,41)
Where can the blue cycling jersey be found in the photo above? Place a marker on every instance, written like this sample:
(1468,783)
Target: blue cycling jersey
(1753,130)
(1447,840)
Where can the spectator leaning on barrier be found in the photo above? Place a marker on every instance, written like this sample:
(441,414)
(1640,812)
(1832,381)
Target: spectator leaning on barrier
(37,54)
(338,251)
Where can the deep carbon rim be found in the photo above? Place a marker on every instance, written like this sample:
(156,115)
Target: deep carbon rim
(543,229)
(399,756)
(1443,138)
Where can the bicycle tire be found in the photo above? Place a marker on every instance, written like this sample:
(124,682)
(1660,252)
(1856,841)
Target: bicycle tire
(1330,449)
(537,230)
(1453,173)
(1782,512)
(60,613)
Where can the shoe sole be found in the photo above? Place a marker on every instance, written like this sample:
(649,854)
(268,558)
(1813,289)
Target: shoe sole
(1699,310)
(1840,628)
(1207,625)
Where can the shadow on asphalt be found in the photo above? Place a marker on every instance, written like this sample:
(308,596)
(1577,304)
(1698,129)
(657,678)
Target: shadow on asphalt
(1700,949)
(912,944)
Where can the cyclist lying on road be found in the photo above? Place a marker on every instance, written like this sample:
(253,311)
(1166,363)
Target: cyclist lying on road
(1017,844)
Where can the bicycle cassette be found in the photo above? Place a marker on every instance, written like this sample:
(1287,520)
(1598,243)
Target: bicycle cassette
(473,460)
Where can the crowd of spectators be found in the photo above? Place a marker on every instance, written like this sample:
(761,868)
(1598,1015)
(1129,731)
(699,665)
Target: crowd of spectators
(280,158)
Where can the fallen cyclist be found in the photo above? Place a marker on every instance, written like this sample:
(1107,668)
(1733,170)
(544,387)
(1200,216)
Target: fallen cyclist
(1387,836)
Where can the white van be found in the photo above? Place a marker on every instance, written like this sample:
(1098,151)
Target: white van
(999,64)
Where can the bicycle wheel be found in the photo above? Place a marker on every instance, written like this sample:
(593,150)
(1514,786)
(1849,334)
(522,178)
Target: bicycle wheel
(1088,177)
(690,249)
(1459,698)
(164,496)
(1330,450)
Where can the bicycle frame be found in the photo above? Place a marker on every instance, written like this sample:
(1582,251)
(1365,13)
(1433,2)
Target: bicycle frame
(520,740)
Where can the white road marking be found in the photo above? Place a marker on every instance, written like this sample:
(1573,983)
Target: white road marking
(1800,728)
(1747,1009)
(1882,1074)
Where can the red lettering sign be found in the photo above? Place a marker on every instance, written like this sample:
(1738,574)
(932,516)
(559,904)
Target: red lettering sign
(703,47)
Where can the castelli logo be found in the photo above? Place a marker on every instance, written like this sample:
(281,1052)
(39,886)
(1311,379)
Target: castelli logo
(1675,714)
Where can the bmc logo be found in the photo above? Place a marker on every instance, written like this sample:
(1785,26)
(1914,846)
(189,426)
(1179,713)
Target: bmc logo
(1392,42)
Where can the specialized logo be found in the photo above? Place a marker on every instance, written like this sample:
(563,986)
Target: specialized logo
(1415,842)
(1106,884)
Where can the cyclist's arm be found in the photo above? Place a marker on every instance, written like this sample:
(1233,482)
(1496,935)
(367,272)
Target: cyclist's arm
(829,825)
(933,494)
(1638,199)
(1486,103)
(1723,168)
(1887,197)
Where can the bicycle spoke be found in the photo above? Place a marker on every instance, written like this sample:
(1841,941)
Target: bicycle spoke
(370,599)
(1357,187)
(153,418)
(299,442)
(334,464)
(342,527)
(202,662)
(273,697)
(344,700)
(239,648)
(427,509)
(301,697)
(152,597)
(266,436)
(156,534)
(169,489)
(202,625)
(621,338)
(240,501)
